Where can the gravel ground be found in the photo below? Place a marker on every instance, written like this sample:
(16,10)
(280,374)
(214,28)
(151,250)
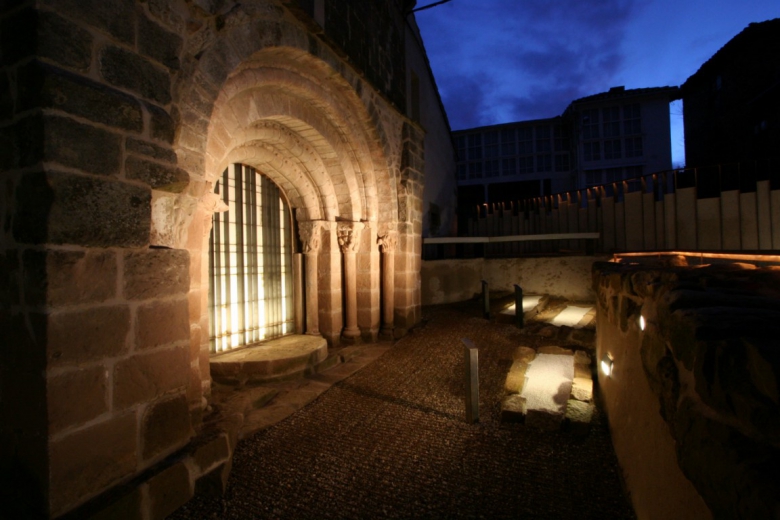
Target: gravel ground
(391,442)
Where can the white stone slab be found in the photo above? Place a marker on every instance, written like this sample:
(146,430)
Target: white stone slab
(571,316)
(529,302)
(548,383)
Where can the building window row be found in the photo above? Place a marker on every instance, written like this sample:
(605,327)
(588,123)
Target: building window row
(612,149)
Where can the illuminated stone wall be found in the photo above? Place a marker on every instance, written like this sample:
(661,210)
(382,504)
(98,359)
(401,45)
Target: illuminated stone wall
(117,117)
(693,398)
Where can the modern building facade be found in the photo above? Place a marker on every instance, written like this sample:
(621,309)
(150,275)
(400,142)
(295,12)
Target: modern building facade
(182,178)
(620,134)
(731,105)
(598,139)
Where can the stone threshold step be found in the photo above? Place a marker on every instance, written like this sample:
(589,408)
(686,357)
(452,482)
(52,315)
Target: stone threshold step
(278,359)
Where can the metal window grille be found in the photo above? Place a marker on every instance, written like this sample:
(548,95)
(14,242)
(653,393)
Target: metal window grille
(250,262)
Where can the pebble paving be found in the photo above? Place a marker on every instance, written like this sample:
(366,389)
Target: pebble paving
(391,441)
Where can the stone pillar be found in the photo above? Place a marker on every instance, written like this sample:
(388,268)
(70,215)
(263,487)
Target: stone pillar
(310,236)
(387,243)
(349,242)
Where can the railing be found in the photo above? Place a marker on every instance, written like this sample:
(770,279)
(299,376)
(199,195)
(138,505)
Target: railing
(730,207)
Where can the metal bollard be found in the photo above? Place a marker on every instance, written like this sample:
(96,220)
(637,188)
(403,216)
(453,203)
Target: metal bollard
(472,381)
(485,299)
(519,314)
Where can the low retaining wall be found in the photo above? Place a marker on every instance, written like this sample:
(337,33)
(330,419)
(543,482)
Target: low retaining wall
(448,281)
(693,400)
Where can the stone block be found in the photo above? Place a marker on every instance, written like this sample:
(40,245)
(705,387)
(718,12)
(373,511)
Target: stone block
(50,87)
(579,416)
(216,451)
(6,97)
(581,358)
(158,176)
(91,459)
(89,385)
(582,388)
(159,44)
(155,273)
(80,146)
(515,379)
(513,408)
(166,426)
(524,354)
(63,208)
(64,42)
(213,483)
(169,490)
(558,351)
(125,69)
(69,277)
(146,376)
(22,143)
(87,335)
(141,147)
(162,323)
(10,278)
(161,125)
(583,371)
(127,507)
(114,17)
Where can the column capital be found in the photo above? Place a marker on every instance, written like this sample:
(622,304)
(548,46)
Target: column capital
(310,233)
(349,236)
(387,240)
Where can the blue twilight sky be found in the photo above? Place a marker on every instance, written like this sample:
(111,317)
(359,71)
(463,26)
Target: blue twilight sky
(497,61)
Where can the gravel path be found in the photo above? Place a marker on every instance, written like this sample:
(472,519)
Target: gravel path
(391,442)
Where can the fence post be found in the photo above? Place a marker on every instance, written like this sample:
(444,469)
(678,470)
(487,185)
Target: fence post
(485,299)
(519,314)
(472,381)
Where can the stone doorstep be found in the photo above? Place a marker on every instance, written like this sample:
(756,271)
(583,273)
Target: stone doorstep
(279,359)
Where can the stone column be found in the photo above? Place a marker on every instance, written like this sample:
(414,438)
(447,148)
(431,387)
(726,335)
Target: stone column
(310,236)
(349,242)
(387,243)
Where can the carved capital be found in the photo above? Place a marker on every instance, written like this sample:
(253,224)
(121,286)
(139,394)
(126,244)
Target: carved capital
(349,236)
(387,240)
(311,235)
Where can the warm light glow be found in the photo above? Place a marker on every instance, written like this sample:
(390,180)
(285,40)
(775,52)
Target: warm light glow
(737,257)
(606,365)
(641,322)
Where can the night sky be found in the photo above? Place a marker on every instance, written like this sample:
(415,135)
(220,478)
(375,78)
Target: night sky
(497,61)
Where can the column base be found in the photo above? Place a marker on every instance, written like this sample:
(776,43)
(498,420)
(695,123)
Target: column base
(386,334)
(351,337)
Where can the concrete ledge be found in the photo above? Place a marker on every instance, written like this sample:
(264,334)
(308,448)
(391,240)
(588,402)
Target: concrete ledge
(274,360)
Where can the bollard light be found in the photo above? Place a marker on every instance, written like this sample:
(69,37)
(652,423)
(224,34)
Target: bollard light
(641,322)
(606,365)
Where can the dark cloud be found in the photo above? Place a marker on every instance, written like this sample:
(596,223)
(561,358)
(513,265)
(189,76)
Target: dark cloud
(505,60)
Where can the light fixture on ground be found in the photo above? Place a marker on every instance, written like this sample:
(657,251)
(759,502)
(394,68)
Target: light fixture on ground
(606,365)
(641,322)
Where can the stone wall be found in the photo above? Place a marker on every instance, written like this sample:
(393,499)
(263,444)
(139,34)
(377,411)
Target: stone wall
(448,281)
(693,398)
(116,117)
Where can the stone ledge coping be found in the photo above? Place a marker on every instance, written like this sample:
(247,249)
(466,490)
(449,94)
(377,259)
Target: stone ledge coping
(276,359)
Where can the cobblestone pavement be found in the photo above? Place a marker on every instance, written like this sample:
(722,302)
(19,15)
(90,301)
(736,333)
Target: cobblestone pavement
(391,442)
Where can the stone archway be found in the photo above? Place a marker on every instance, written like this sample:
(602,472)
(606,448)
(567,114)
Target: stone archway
(334,147)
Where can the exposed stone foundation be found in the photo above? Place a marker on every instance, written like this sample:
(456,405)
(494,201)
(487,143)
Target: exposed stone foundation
(693,399)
